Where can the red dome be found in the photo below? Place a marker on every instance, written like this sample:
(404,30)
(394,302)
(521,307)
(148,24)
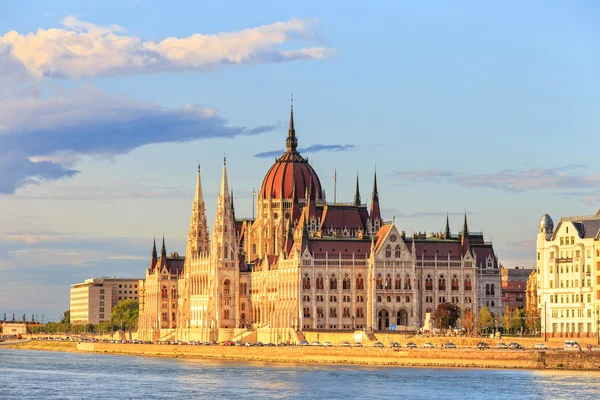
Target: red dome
(289,171)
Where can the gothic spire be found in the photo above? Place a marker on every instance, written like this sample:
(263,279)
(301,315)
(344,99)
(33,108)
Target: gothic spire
(198,194)
(357,194)
(163,251)
(465,226)
(224,183)
(447,231)
(198,241)
(375,211)
(291,142)
(154,254)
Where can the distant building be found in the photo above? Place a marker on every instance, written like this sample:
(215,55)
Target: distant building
(92,301)
(13,328)
(568,278)
(514,287)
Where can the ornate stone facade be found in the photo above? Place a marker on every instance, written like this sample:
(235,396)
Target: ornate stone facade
(306,264)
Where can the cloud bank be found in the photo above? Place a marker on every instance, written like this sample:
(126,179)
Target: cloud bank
(511,180)
(83,49)
(314,148)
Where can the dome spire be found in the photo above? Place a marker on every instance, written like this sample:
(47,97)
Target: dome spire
(291,141)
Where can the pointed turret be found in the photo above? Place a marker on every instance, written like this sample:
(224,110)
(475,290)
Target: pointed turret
(163,251)
(464,238)
(223,239)
(224,182)
(447,230)
(375,213)
(291,142)
(154,256)
(198,241)
(357,193)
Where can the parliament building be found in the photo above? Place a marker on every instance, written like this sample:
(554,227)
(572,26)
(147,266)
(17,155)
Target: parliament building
(307,264)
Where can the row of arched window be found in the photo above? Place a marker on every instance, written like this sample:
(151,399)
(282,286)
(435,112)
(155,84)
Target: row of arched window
(441,284)
(397,251)
(399,283)
(333,312)
(333,283)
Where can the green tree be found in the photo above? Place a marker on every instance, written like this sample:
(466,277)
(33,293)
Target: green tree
(446,315)
(506,319)
(533,320)
(126,314)
(66,319)
(485,319)
(467,321)
(516,321)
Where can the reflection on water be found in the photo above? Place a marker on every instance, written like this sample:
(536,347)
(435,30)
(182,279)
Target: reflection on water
(35,375)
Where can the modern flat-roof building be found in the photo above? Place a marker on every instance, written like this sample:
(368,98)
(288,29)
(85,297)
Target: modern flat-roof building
(92,301)
(568,280)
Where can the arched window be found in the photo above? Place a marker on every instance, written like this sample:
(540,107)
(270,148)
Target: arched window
(226,314)
(306,282)
(407,284)
(320,282)
(487,289)
(243,318)
(492,289)
(243,306)
(359,282)
(379,282)
(226,287)
(254,248)
(360,312)
(468,283)
(454,282)
(398,283)
(333,282)
(346,282)
(388,282)
(226,250)
(397,251)
(164,293)
(441,283)
(388,251)
(428,283)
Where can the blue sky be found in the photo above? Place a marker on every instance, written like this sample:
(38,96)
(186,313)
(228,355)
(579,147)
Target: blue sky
(106,107)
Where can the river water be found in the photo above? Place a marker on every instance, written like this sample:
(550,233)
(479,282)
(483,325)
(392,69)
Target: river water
(46,375)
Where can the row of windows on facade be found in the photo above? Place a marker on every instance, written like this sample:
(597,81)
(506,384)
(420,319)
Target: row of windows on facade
(573,283)
(570,313)
(360,312)
(575,298)
(125,286)
(569,253)
(565,269)
(454,299)
(570,327)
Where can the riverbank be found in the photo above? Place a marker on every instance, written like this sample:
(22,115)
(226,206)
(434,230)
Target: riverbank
(447,358)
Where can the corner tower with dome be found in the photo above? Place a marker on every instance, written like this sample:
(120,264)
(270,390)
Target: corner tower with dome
(305,264)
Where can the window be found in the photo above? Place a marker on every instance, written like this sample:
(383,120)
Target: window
(388,282)
(487,289)
(562,241)
(359,282)
(428,283)
(492,291)
(454,283)
(306,282)
(306,312)
(407,284)
(333,312)
(397,251)
(408,299)
(441,283)
(333,282)
(379,282)
(226,287)
(398,282)
(538,255)
(468,283)
(360,312)
(346,282)
(320,282)
(388,251)
(226,314)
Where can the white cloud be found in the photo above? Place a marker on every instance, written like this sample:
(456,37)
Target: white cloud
(85,49)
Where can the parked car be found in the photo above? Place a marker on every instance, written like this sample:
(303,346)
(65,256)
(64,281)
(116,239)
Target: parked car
(483,346)
(501,346)
(540,346)
(315,343)
(270,345)
(411,345)
(260,344)
(344,344)
(449,345)
(304,343)
(327,344)
(428,345)
(228,343)
(281,344)
(395,344)
(378,344)
(514,346)
(357,344)
(249,344)
(571,345)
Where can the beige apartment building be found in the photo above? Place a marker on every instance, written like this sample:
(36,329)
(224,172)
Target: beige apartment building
(93,300)
(568,275)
